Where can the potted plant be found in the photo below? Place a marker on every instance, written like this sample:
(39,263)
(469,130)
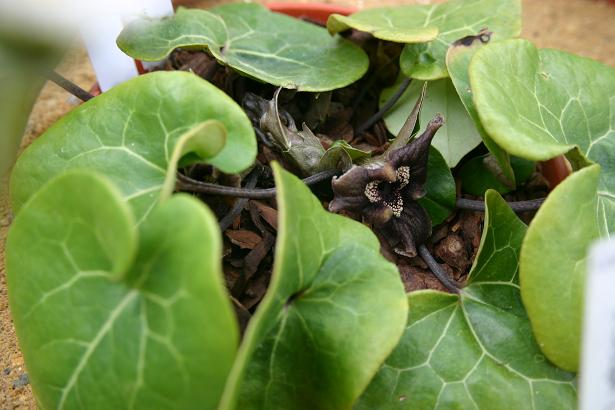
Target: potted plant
(125,293)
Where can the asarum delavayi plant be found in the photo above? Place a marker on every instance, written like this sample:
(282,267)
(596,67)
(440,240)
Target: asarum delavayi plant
(117,280)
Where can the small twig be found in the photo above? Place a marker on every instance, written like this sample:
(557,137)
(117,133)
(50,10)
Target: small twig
(437,270)
(518,206)
(386,107)
(185,183)
(69,86)
(228,219)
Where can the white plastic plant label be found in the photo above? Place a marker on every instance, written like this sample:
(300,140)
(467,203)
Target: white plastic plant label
(597,377)
(99,35)
(110,64)
(153,8)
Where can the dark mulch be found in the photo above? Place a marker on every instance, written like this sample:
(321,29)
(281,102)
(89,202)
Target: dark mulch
(251,226)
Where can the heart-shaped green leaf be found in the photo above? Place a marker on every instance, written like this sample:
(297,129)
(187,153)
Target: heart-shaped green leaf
(387,23)
(334,310)
(538,104)
(135,133)
(474,350)
(441,192)
(458,60)
(456,138)
(108,318)
(443,23)
(457,19)
(270,47)
(553,265)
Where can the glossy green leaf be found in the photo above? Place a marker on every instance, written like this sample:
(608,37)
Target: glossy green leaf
(270,47)
(110,318)
(387,23)
(441,192)
(477,175)
(135,133)
(553,265)
(456,138)
(456,19)
(430,29)
(474,350)
(458,60)
(318,336)
(538,104)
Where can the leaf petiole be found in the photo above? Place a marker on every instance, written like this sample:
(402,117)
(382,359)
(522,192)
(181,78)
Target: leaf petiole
(69,86)
(185,183)
(437,270)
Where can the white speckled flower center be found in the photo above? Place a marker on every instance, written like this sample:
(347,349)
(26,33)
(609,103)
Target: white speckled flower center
(389,193)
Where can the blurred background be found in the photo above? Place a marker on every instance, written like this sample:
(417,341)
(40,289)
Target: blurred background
(585,27)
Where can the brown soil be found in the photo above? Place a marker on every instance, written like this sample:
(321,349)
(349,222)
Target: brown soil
(579,26)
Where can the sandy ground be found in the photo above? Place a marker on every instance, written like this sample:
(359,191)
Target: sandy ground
(585,27)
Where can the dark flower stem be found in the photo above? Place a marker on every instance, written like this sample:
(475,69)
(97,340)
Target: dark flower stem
(386,107)
(518,206)
(69,86)
(185,183)
(437,270)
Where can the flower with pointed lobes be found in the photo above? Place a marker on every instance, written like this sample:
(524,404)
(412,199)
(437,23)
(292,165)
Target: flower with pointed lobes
(384,192)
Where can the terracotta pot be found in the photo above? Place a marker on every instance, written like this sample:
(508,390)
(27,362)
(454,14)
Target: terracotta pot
(317,12)
(554,170)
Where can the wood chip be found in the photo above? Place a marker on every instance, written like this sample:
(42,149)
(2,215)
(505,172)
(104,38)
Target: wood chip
(255,292)
(416,279)
(269,214)
(472,228)
(453,252)
(243,238)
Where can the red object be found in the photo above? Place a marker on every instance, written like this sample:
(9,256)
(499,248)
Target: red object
(555,170)
(95,90)
(140,68)
(314,11)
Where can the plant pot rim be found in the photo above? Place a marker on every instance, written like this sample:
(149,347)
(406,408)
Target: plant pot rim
(315,11)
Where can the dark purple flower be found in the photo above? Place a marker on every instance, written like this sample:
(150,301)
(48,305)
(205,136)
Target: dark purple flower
(384,192)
